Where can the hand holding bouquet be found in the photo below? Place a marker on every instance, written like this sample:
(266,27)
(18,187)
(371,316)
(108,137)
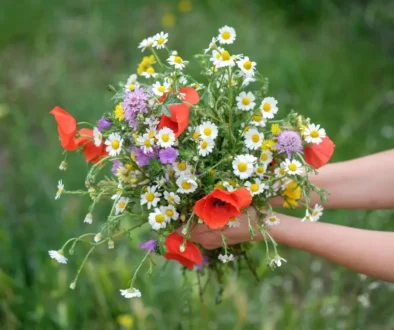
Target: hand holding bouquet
(184,152)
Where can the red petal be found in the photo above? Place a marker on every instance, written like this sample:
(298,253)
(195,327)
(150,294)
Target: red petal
(179,119)
(218,216)
(93,153)
(192,254)
(66,127)
(317,155)
(191,95)
(243,197)
(86,136)
(185,262)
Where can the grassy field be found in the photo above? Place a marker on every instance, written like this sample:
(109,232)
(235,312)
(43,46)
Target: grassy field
(334,64)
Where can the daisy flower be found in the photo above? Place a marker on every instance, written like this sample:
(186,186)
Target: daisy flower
(149,72)
(159,40)
(182,80)
(165,137)
(170,212)
(131,82)
(253,139)
(88,218)
(212,44)
(230,186)
(234,223)
(247,67)
(186,185)
(226,35)
(243,165)
(114,144)
(255,188)
(245,101)
(146,43)
(121,205)
(158,219)
(224,60)
(269,107)
(60,188)
(314,134)
(292,167)
(58,256)
(159,89)
(309,217)
(131,293)
(280,172)
(258,120)
(177,62)
(225,258)
(260,170)
(216,56)
(146,143)
(182,169)
(97,136)
(172,198)
(205,147)
(266,157)
(272,220)
(247,79)
(151,197)
(317,211)
(208,130)
(277,261)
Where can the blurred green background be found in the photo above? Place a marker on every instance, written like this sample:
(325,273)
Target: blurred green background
(330,60)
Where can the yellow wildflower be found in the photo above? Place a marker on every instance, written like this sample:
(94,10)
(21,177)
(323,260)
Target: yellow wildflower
(125,321)
(292,194)
(268,145)
(119,112)
(185,6)
(168,20)
(275,129)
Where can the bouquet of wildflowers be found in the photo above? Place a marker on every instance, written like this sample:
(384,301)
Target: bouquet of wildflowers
(184,153)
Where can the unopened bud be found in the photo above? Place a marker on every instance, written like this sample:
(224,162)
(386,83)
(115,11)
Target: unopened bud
(111,244)
(195,159)
(63,166)
(88,218)
(182,247)
(200,220)
(73,285)
(184,230)
(98,237)
(183,217)
(230,157)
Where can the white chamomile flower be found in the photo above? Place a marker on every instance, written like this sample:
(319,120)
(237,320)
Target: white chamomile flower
(160,40)
(177,62)
(216,56)
(88,218)
(224,60)
(146,143)
(258,120)
(230,187)
(234,223)
(152,122)
(146,43)
(151,131)
(170,212)
(253,139)
(280,172)
(98,237)
(266,156)
(159,89)
(226,35)
(58,256)
(194,132)
(182,168)
(277,261)
(131,293)
(97,136)
(260,170)
(131,82)
(121,204)
(158,219)
(247,79)
(60,188)
(243,165)
(309,217)
(255,188)
(205,147)
(212,44)
(292,167)
(165,137)
(114,144)
(314,134)
(208,130)
(186,185)
(247,66)
(182,80)
(245,101)
(272,220)
(317,211)
(225,258)
(172,198)
(63,166)
(149,73)
(150,197)
(269,107)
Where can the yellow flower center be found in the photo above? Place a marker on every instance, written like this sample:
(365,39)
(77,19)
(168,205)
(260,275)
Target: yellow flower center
(260,170)
(266,107)
(264,157)
(150,70)
(131,87)
(151,134)
(147,143)
(150,197)
(233,220)
(204,144)
(59,190)
(207,131)
(178,59)
(247,65)
(254,187)
(186,185)
(115,144)
(159,218)
(195,135)
(121,205)
(161,40)
(130,167)
(272,219)
(161,89)
(314,134)
(255,138)
(225,55)
(315,213)
(218,56)
(257,118)
(170,198)
(275,129)
(233,183)
(292,167)
(282,171)
(165,137)
(246,101)
(182,166)
(169,212)
(226,35)
(242,167)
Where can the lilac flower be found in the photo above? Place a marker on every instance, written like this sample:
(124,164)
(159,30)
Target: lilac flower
(149,245)
(103,124)
(115,165)
(289,142)
(144,158)
(134,103)
(204,262)
(168,155)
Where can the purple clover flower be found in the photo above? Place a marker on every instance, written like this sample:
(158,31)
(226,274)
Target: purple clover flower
(143,158)
(115,165)
(204,262)
(289,142)
(103,124)
(168,155)
(149,245)
(135,102)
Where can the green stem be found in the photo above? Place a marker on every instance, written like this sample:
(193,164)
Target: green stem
(137,270)
(83,264)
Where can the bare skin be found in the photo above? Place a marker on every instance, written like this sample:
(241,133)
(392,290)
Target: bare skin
(363,183)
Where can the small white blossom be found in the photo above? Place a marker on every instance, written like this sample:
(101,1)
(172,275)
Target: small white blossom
(60,189)
(58,256)
(131,293)
(226,258)
(88,218)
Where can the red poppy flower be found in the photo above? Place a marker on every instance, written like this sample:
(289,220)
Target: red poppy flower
(66,127)
(190,257)
(318,155)
(179,119)
(190,95)
(217,208)
(92,153)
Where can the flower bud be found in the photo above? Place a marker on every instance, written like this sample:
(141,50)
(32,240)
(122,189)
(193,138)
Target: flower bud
(183,217)
(73,285)
(98,237)
(88,218)
(184,230)
(63,165)
(111,244)
(200,220)
(182,247)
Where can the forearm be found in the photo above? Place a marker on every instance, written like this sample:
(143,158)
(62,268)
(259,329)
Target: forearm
(367,252)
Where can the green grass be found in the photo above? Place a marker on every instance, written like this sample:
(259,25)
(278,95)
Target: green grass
(336,67)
